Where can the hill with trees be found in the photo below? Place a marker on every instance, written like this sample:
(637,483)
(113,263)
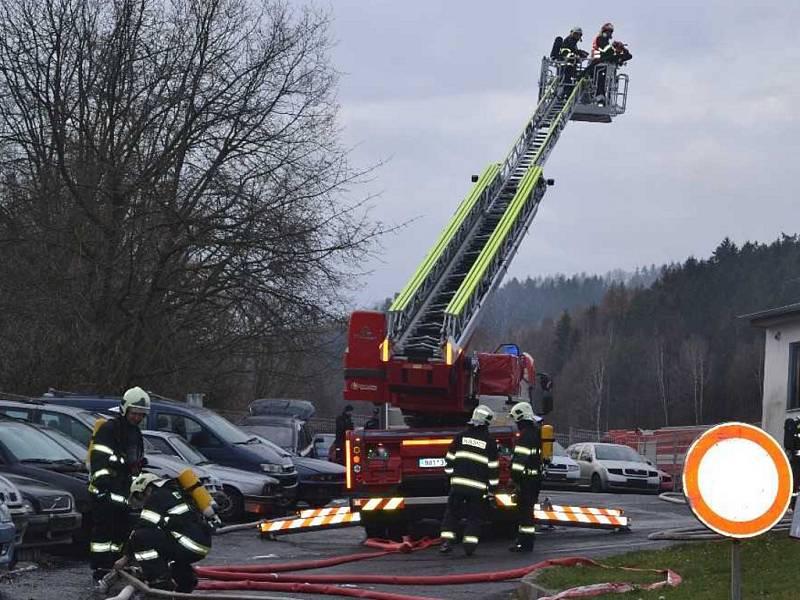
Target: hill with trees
(668,354)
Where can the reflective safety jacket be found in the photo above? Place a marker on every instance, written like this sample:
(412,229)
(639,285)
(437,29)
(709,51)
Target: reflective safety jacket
(602,48)
(472,462)
(569,49)
(116,453)
(526,465)
(167,508)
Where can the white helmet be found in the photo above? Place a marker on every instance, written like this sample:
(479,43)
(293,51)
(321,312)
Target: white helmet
(142,480)
(482,415)
(522,411)
(577,30)
(137,400)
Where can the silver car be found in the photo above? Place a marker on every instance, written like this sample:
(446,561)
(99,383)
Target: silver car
(248,492)
(613,466)
(562,470)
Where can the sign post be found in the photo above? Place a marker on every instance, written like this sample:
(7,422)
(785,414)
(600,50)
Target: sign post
(738,482)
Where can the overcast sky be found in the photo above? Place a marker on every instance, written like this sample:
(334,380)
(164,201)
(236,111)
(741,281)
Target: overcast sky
(708,148)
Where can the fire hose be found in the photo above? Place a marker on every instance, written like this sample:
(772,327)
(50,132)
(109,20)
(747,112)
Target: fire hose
(278,578)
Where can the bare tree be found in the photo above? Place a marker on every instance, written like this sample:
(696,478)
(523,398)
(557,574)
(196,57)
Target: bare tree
(694,352)
(171,199)
(660,374)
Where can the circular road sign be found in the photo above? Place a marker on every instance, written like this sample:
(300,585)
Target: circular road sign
(737,480)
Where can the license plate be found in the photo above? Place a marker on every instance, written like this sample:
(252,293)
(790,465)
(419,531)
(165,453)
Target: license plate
(427,463)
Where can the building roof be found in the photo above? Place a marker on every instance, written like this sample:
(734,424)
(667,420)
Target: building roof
(773,316)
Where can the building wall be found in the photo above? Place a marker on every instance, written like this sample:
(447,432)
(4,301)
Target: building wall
(776,376)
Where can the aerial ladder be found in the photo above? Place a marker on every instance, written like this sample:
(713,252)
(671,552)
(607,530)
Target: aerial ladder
(414,356)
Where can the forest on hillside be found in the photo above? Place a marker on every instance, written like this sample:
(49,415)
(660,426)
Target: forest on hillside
(672,353)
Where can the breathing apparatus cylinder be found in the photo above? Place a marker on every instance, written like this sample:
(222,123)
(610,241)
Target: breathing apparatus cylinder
(95,428)
(189,481)
(548,437)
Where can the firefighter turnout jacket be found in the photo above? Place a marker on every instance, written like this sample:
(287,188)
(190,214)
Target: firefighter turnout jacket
(117,454)
(472,462)
(171,511)
(569,49)
(602,48)
(526,465)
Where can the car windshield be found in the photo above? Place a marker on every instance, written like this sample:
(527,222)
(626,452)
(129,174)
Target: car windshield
(187,451)
(280,436)
(224,429)
(28,444)
(558,450)
(617,453)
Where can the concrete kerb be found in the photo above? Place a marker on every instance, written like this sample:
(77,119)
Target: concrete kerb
(528,589)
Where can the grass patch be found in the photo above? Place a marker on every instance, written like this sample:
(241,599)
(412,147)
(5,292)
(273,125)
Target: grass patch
(769,571)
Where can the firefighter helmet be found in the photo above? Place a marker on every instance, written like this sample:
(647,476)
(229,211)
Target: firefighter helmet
(522,411)
(577,30)
(607,27)
(482,415)
(137,400)
(141,481)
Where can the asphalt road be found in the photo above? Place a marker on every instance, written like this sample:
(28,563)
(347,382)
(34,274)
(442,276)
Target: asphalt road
(59,578)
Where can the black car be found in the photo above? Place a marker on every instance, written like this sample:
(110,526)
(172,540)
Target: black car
(51,517)
(26,451)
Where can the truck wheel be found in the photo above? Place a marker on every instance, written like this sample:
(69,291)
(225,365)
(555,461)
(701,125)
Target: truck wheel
(597,484)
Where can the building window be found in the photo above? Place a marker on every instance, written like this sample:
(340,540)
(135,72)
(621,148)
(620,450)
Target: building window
(794,375)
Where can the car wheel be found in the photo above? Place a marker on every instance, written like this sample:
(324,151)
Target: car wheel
(597,484)
(234,511)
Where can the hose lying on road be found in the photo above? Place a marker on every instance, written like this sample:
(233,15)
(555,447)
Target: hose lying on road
(151,593)
(276,577)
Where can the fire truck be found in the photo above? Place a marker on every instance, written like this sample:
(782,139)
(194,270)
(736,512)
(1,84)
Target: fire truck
(416,356)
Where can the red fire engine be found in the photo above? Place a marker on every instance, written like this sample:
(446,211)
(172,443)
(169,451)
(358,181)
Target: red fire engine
(415,357)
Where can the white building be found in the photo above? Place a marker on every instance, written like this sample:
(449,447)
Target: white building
(781,366)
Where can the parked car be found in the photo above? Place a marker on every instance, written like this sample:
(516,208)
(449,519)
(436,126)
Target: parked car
(73,422)
(320,446)
(8,535)
(667,484)
(27,451)
(51,513)
(248,492)
(11,497)
(287,432)
(613,466)
(216,437)
(320,480)
(562,470)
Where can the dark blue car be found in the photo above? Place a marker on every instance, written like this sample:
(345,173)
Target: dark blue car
(216,437)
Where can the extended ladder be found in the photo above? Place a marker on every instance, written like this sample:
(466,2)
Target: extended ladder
(437,310)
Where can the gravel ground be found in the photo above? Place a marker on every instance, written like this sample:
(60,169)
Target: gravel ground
(67,576)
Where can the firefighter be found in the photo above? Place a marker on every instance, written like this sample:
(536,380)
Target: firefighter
(526,473)
(374,422)
(603,52)
(116,455)
(572,56)
(344,423)
(473,467)
(170,536)
(791,441)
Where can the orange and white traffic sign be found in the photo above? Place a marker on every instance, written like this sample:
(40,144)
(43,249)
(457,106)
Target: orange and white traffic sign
(737,480)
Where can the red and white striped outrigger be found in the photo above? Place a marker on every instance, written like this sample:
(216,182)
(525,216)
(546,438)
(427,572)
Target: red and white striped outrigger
(546,514)
(312,520)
